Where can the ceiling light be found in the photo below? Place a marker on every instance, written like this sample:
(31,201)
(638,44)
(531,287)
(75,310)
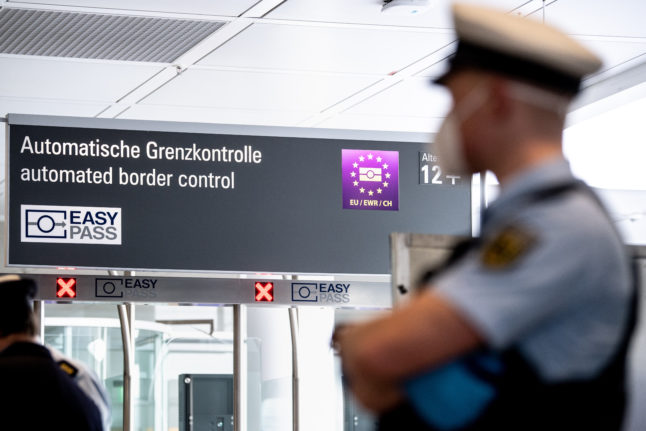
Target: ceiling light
(405,7)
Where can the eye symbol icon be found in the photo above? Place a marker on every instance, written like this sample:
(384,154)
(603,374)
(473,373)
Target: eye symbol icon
(45,224)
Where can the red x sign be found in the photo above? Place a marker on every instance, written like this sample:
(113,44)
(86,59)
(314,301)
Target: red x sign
(66,287)
(264,292)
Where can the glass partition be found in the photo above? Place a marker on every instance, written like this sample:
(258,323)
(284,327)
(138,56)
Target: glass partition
(170,341)
(183,371)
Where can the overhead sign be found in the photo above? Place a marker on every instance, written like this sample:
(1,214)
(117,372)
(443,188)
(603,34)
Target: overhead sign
(126,195)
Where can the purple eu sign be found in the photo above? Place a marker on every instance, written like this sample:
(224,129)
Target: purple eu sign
(370,180)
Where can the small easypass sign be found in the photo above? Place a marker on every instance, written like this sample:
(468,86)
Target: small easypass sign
(330,293)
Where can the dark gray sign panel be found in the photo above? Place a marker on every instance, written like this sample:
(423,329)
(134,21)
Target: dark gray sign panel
(105,197)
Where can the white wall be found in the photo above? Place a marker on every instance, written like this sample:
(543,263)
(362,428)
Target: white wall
(628,210)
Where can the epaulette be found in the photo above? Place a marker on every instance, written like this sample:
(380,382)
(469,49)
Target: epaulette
(69,369)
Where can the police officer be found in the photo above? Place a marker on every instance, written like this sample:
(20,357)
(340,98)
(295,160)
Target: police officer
(35,394)
(528,326)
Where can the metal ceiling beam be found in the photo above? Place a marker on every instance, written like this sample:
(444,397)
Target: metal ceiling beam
(610,93)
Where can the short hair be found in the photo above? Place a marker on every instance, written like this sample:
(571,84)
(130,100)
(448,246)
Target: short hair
(16,313)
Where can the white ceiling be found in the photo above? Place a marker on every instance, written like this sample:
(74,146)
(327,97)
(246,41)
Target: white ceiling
(333,63)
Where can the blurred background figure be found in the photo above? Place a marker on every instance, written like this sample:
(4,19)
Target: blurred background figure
(35,393)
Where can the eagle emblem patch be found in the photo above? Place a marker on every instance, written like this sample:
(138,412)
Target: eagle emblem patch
(507,247)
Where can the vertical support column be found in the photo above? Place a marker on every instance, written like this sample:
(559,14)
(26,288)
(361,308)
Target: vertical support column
(293,325)
(126,317)
(130,312)
(478,201)
(239,368)
(39,311)
(483,193)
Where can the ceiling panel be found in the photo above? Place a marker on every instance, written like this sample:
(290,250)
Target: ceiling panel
(412,97)
(382,122)
(216,115)
(626,18)
(326,48)
(9,105)
(369,12)
(72,80)
(202,7)
(257,90)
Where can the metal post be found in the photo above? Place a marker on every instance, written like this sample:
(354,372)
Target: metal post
(130,310)
(293,325)
(126,317)
(239,368)
(483,192)
(39,312)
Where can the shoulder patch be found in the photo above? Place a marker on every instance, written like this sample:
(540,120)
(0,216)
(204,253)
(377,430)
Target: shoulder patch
(69,369)
(507,247)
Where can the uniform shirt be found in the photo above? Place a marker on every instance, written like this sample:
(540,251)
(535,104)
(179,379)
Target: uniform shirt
(561,294)
(35,394)
(88,382)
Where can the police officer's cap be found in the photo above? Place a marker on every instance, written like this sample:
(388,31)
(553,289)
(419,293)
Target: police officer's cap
(520,48)
(16,294)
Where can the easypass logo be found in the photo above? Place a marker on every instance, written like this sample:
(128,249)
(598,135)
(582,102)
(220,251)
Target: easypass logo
(337,293)
(63,224)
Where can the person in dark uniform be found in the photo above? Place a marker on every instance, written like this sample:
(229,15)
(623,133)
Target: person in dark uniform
(35,394)
(528,326)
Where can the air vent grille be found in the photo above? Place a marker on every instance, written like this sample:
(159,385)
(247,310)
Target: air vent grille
(99,36)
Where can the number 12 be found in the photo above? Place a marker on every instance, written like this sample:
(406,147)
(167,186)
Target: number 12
(436,178)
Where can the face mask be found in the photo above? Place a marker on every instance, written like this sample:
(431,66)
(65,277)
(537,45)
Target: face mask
(448,146)
(448,141)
